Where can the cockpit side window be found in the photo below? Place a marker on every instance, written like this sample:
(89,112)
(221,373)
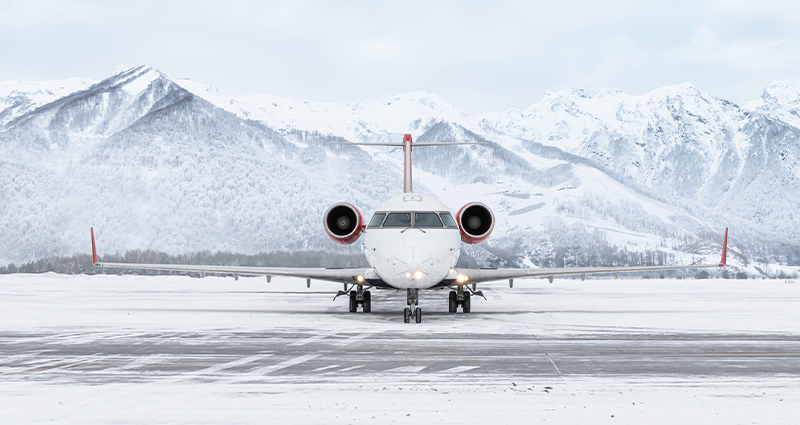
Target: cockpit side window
(377,220)
(448,219)
(398,220)
(427,220)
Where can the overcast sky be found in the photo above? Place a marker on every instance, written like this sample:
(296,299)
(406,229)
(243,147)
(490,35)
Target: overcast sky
(481,56)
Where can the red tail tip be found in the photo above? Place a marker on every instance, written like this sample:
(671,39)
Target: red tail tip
(94,249)
(407,138)
(724,260)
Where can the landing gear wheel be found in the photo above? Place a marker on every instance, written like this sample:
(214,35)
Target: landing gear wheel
(407,315)
(452,302)
(466,307)
(367,302)
(353,302)
(418,315)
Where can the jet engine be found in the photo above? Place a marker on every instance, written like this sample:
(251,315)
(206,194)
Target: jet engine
(343,223)
(476,222)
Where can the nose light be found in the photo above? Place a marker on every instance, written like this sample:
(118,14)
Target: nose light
(462,278)
(418,275)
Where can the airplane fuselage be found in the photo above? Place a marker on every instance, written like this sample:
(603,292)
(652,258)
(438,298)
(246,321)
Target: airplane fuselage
(412,241)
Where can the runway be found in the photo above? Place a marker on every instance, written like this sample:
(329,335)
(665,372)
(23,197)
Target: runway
(330,357)
(93,334)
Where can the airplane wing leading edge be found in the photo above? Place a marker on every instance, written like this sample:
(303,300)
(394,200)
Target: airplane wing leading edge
(474,276)
(334,275)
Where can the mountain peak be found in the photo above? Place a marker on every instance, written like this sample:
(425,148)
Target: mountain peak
(132,79)
(782,93)
(686,88)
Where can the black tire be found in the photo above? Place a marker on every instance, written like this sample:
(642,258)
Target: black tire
(418,315)
(353,302)
(452,302)
(367,302)
(407,315)
(466,306)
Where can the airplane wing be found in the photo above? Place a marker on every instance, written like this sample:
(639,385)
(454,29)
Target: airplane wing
(474,276)
(354,275)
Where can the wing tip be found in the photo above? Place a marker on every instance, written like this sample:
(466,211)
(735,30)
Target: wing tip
(94,249)
(724,260)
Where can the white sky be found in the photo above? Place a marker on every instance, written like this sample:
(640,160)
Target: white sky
(481,56)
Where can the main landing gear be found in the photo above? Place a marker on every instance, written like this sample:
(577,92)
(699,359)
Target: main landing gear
(358,297)
(461,298)
(412,298)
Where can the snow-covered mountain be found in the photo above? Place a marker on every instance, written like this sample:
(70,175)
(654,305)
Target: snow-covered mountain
(577,178)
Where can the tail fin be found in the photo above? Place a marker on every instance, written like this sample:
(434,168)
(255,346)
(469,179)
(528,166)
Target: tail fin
(407,164)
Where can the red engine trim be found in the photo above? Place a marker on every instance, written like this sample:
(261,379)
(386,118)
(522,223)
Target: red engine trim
(465,237)
(349,238)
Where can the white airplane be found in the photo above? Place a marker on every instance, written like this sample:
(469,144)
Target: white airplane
(412,242)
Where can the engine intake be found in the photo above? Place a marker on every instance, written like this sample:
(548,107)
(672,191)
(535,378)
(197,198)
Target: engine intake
(343,223)
(476,222)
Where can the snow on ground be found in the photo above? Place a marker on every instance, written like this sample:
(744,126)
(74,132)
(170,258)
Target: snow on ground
(293,356)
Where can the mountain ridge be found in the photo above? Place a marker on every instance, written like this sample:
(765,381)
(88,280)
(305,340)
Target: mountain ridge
(173,165)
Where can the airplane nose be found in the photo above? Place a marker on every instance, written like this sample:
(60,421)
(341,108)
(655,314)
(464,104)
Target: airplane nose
(410,261)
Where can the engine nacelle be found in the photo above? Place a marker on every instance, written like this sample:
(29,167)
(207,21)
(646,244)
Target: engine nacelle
(343,223)
(476,222)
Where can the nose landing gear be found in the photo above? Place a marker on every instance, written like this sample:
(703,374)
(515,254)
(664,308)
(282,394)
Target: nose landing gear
(412,298)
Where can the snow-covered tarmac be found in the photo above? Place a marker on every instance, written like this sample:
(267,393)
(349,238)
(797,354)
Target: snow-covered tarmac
(116,349)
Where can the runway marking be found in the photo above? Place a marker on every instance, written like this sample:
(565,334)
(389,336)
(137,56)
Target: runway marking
(406,369)
(548,357)
(283,365)
(305,341)
(228,365)
(141,362)
(347,369)
(458,369)
(61,365)
(352,339)
(319,369)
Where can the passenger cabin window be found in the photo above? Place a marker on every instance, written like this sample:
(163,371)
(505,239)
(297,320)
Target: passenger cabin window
(449,221)
(427,220)
(398,220)
(377,220)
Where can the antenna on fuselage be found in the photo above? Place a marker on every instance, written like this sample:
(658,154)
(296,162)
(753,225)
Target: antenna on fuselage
(407,147)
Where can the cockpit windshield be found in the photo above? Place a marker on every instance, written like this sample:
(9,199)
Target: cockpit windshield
(448,219)
(377,220)
(398,220)
(427,220)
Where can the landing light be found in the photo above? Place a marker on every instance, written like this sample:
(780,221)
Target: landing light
(360,278)
(418,275)
(461,278)
(408,275)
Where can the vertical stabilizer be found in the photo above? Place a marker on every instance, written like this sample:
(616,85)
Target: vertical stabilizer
(407,164)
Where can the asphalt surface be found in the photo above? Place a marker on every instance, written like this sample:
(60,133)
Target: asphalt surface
(304,337)
(105,358)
